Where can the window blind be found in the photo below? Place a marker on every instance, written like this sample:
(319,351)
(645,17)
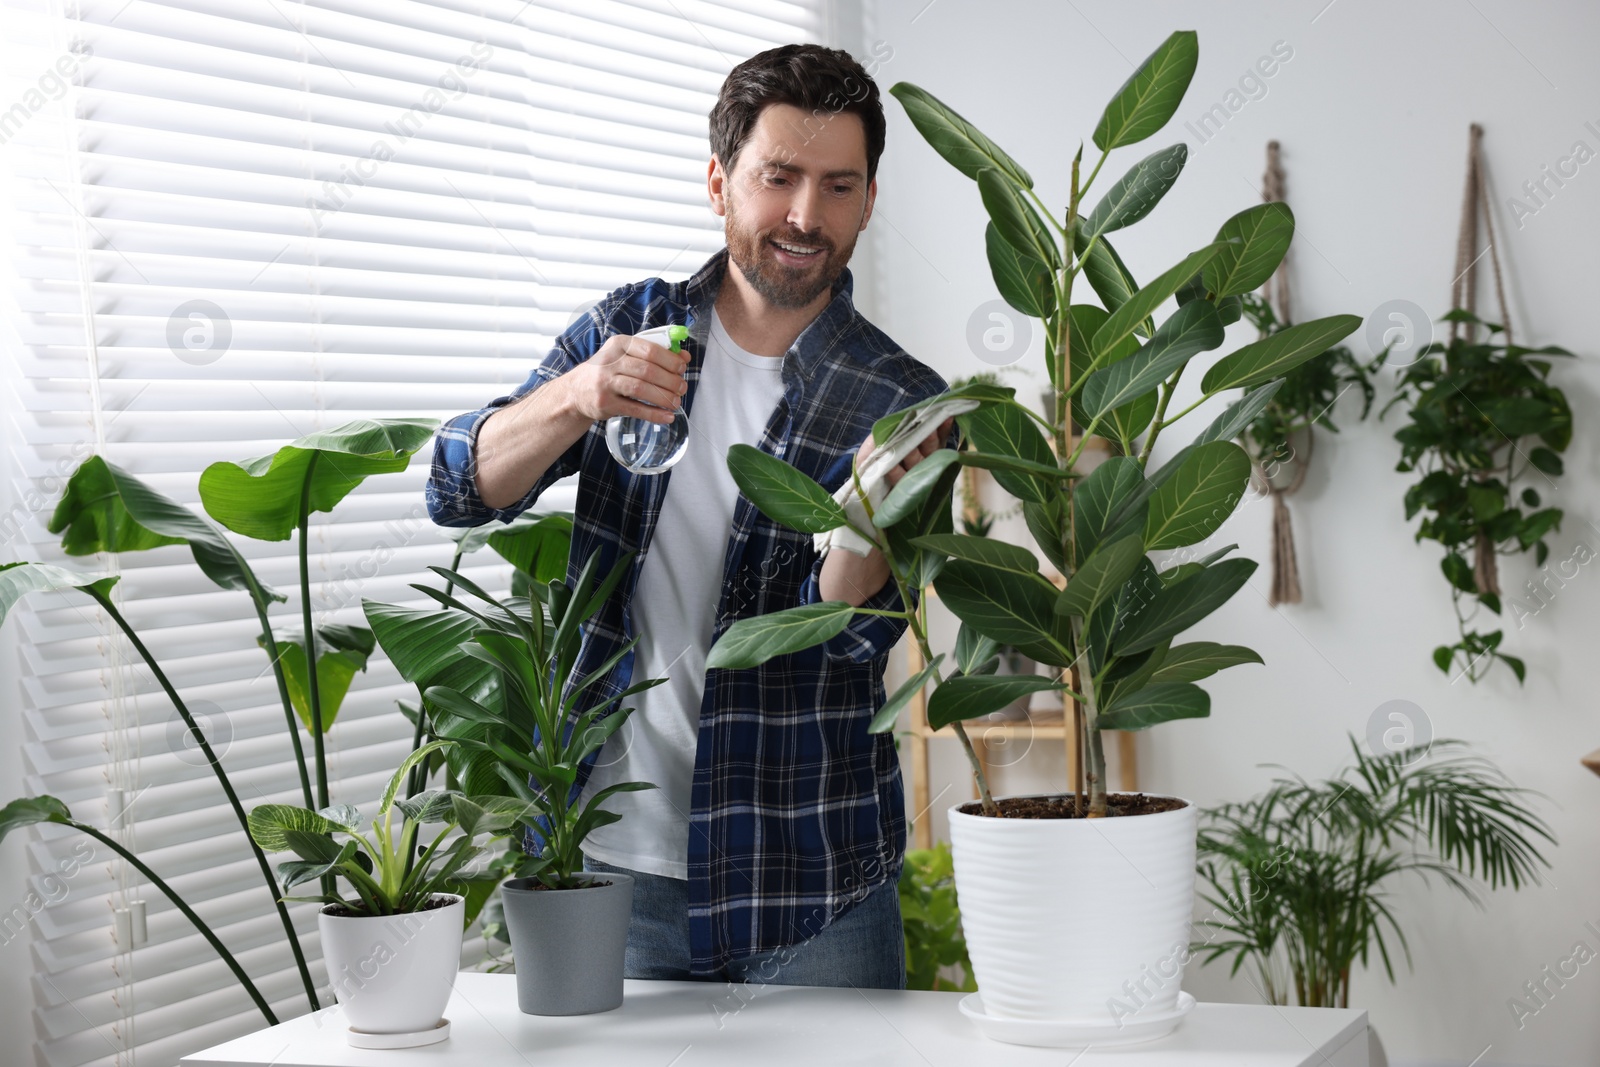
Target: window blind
(242,221)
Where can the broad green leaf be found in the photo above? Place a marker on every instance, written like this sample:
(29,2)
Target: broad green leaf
(1201,659)
(1240,414)
(912,490)
(341,652)
(1154,704)
(782,493)
(1151,95)
(106,509)
(263,497)
(1102,574)
(984,550)
(982,391)
(1174,608)
(1192,329)
(1137,192)
(1023,280)
(975,653)
(1100,496)
(1016,219)
(538,549)
(425,646)
(1277,354)
(1141,304)
(889,714)
(1257,239)
(992,462)
(1006,430)
(1014,609)
(1046,523)
(270,825)
(752,642)
(960,142)
(1108,276)
(31,811)
(1199,497)
(19,579)
(968,696)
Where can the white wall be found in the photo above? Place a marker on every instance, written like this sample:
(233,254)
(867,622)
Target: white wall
(1372,111)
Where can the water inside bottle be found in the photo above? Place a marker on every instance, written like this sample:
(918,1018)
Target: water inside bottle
(646,447)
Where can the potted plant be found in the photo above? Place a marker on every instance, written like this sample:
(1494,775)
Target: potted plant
(1065,898)
(393,946)
(568,929)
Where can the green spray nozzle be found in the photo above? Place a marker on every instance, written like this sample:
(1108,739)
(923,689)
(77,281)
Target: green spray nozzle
(677,334)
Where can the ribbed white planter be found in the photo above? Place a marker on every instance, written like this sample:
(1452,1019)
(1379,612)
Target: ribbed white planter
(1083,920)
(393,973)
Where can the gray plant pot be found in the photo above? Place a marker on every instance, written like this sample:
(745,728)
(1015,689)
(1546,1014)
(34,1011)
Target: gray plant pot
(569,944)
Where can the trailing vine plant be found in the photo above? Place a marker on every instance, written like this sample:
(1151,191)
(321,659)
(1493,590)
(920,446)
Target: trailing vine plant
(1484,419)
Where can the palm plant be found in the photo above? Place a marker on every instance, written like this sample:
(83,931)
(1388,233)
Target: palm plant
(1301,877)
(1110,632)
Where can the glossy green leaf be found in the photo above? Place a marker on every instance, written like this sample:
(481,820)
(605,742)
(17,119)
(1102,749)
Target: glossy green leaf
(1137,192)
(19,579)
(263,497)
(106,509)
(1024,281)
(1192,329)
(1012,608)
(1006,430)
(341,652)
(1256,240)
(968,696)
(975,653)
(1277,354)
(1191,505)
(1201,659)
(985,550)
(911,492)
(961,143)
(425,646)
(782,493)
(1101,575)
(1100,496)
(1109,277)
(1019,224)
(538,549)
(752,642)
(271,824)
(31,811)
(1150,97)
(1240,414)
(1173,609)
(1141,304)
(889,714)
(983,392)
(1155,704)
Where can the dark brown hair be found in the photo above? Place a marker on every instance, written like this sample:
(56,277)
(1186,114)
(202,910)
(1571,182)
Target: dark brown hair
(822,81)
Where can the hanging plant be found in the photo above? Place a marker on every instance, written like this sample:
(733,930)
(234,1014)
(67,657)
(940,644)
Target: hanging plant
(1483,415)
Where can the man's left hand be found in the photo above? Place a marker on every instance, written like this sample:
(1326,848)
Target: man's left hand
(925,448)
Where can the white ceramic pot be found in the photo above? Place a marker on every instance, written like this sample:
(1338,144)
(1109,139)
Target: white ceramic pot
(393,973)
(1076,919)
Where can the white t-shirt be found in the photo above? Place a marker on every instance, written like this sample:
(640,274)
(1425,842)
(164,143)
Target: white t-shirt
(674,610)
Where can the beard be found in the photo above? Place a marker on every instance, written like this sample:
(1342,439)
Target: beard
(783,285)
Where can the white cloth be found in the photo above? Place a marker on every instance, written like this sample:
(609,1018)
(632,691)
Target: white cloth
(884,458)
(674,609)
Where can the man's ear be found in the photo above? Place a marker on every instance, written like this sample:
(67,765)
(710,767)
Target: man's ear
(872,196)
(716,186)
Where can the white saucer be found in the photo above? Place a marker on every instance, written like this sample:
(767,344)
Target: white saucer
(1076,1033)
(363,1039)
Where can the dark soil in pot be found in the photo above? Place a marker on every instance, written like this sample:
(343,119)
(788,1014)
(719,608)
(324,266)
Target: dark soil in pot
(1066,807)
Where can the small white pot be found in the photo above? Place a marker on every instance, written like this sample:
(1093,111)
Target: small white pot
(1083,920)
(393,973)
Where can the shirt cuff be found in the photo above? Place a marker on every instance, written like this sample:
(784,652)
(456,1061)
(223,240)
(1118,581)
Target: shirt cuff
(868,636)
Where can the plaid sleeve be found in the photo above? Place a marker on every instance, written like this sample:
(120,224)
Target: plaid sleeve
(868,636)
(452,490)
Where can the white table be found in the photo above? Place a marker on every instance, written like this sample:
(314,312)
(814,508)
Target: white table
(695,1024)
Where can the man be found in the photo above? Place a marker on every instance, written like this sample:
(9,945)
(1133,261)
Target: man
(771,847)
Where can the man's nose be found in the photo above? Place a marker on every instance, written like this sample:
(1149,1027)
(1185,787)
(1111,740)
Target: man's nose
(805,207)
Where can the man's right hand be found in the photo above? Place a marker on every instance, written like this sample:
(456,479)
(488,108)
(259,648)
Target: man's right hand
(628,376)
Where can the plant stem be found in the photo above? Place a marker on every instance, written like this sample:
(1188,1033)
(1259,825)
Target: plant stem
(292,721)
(188,913)
(419,774)
(1168,387)
(312,688)
(222,777)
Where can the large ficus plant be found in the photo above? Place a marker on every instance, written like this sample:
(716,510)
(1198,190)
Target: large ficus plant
(1111,632)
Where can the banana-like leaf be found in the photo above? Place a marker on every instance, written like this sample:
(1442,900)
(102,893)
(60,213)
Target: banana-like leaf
(538,549)
(1277,354)
(1201,659)
(262,498)
(31,811)
(1151,95)
(1154,704)
(1141,304)
(19,579)
(1016,219)
(887,715)
(341,651)
(1137,192)
(753,641)
(968,696)
(425,647)
(1263,234)
(106,509)
(1194,502)
(1024,281)
(782,493)
(961,143)
(1192,329)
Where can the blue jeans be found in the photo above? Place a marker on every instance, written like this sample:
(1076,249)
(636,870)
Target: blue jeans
(864,947)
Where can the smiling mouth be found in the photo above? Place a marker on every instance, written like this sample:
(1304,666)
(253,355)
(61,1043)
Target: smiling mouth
(794,253)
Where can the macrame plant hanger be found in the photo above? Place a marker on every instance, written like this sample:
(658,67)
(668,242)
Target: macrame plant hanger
(1464,295)
(1285,567)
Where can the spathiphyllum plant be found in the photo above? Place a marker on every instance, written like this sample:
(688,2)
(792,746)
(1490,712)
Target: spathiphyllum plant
(1111,632)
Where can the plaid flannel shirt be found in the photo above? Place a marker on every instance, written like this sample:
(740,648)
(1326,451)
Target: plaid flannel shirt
(796,810)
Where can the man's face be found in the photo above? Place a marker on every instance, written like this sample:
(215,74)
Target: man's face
(800,181)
